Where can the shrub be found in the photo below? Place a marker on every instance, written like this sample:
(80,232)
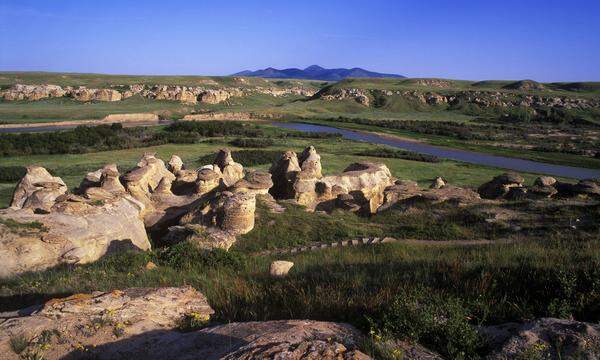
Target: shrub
(12,173)
(434,321)
(252,142)
(186,255)
(398,154)
(215,128)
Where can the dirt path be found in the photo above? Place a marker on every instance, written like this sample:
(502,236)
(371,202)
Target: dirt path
(365,241)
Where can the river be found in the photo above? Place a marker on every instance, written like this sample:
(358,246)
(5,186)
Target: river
(450,153)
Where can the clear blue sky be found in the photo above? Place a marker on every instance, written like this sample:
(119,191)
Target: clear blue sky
(546,40)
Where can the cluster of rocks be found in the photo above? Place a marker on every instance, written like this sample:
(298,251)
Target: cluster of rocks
(359,187)
(359,95)
(511,186)
(184,94)
(481,98)
(110,211)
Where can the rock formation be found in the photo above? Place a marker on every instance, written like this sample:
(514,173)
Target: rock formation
(78,324)
(500,186)
(74,230)
(231,171)
(301,180)
(280,268)
(146,324)
(547,338)
(37,190)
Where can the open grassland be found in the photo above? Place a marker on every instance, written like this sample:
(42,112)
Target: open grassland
(104,80)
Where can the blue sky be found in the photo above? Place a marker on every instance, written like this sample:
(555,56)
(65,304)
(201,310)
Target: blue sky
(545,40)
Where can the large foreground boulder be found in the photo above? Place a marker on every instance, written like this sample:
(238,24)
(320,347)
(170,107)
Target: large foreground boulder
(142,323)
(75,231)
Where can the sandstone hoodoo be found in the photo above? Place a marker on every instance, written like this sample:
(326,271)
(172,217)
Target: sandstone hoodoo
(301,179)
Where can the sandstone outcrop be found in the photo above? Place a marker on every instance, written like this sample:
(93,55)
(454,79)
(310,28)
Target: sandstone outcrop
(301,180)
(74,230)
(32,92)
(146,324)
(231,171)
(500,186)
(545,338)
(117,323)
(438,183)
(37,190)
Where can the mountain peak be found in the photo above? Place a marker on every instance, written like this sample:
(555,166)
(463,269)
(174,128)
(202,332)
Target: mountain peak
(315,72)
(314,68)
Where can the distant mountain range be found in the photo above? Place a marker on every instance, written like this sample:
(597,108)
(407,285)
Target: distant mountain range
(315,72)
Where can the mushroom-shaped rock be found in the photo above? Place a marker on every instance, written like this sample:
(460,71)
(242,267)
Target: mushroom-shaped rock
(258,182)
(145,178)
(207,179)
(37,189)
(280,268)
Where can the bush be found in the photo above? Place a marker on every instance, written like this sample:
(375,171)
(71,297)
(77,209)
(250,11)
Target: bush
(312,135)
(398,154)
(215,128)
(252,143)
(437,322)
(186,255)
(12,173)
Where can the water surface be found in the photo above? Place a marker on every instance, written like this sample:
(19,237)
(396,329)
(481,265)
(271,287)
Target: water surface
(450,153)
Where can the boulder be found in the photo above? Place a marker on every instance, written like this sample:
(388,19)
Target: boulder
(175,164)
(500,185)
(37,189)
(207,180)
(280,268)
(143,180)
(545,338)
(310,162)
(257,182)
(544,181)
(106,325)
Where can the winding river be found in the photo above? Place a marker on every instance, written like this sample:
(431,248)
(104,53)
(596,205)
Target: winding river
(450,153)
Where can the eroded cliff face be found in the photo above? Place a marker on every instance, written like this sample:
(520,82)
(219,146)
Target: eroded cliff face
(184,94)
